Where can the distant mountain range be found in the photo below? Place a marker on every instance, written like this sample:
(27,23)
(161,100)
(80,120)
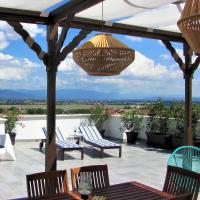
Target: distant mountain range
(75,94)
(67,94)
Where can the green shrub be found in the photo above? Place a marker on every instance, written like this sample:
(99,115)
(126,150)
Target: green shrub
(12,117)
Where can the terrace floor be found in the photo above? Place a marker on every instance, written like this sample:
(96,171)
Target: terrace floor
(138,162)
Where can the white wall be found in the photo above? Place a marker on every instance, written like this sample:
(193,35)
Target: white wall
(113,128)
(30,126)
(2,125)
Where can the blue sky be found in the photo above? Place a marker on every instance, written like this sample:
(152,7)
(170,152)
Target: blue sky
(153,73)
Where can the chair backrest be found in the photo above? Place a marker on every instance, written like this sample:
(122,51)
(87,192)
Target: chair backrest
(59,135)
(90,133)
(44,131)
(181,181)
(46,184)
(187,157)
(99,174)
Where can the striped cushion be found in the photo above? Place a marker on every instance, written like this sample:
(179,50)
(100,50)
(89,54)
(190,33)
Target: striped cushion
(91,134)
(67,145)
(60,141)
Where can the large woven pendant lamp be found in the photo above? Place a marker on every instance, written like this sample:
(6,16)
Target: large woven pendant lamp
(189,24)
(103,55)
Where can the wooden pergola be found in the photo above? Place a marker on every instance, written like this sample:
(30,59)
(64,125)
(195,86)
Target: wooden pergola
(64,16)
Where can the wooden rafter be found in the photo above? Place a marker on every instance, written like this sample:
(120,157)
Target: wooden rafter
(174,54)
(195,65)
(124,29)
(64,33)
(71,7)
(29,40)
(10,14)
(73,44)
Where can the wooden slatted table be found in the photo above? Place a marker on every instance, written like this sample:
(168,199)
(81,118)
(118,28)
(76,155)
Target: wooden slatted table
(124,191)
(132,191)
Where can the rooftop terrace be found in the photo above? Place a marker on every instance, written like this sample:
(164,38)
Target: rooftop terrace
(139,162)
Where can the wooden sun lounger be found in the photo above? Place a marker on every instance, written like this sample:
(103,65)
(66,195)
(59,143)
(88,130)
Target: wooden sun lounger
(93,137)
(63,144)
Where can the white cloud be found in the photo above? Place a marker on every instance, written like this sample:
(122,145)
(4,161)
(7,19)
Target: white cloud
(68,65)
(29,64)
(165,56)
(160,42)
(34,30)
(145,68)
(12,68)
(3,41)
(133,38)
(7,33)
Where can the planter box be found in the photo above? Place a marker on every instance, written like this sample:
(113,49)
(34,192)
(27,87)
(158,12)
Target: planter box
(176,142)
(197,142)
(158,140)
(131,137)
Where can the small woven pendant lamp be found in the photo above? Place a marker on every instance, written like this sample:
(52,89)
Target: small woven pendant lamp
(103,55)
(189,24)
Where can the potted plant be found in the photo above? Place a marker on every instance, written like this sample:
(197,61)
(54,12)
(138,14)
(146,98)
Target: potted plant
(98,116)
(195,127)
(177,110)
(10,124)
(131,124)
(158,125)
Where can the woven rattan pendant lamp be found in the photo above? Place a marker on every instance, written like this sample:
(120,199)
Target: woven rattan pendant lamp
(103,55)
(189,24)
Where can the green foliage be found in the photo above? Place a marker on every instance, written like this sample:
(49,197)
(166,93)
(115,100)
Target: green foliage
(60,111)
(39,111)
(195,118)
(1,110)
(177,112)
(99,115)
(78,111)
(132,120)
(12,117)
(158,120)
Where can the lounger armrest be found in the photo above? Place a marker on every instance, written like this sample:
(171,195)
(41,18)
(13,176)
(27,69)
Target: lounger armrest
(187,196)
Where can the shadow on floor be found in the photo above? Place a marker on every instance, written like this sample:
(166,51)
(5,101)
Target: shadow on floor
(142,144)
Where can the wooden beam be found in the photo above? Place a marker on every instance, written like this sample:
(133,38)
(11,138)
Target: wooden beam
(9,14)
(63,33)
(118,28)
(29,40)
(174,54)
(16,15)
(71,7)
(195,65)
(73,44)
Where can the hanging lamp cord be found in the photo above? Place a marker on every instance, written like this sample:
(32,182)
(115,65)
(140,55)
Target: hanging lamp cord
(102,16)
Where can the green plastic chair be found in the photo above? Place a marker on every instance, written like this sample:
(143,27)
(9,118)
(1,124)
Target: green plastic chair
(187,157)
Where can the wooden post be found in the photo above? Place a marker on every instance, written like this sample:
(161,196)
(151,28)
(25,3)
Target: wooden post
(188,136)
(188,75)
(52,64)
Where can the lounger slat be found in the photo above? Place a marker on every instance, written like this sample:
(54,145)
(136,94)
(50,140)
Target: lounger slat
(64,145)
(93,137)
